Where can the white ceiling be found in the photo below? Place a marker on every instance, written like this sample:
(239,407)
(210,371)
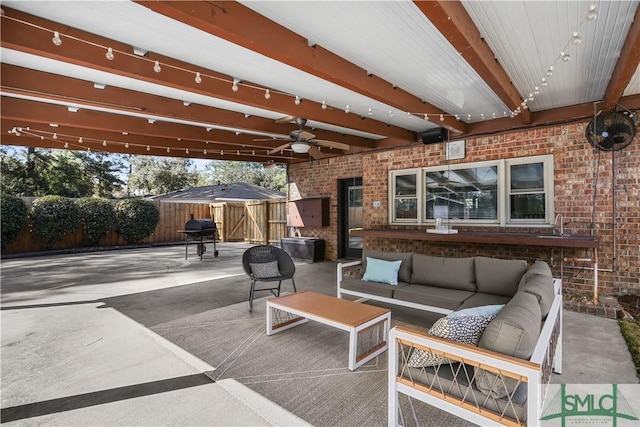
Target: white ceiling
(393,40)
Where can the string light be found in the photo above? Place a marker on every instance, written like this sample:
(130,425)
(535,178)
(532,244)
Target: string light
(168,150)
(55,136)
(186,151)
(148,148)
(56,38)
(347,110)
(370,112)
(66,145)
(204,152)
(110,55)
(126,145)
(576,38)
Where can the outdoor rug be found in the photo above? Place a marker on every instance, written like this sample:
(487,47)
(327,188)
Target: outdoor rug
(303,369)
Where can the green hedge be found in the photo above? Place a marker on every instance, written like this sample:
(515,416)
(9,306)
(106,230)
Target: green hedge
(136,219)
(97,217)
(52,217)
(14,213)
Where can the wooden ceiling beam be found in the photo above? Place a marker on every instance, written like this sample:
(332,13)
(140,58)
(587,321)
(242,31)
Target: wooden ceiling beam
(580,112)
(452,20)
(238,24)
(175,74)
(626,66)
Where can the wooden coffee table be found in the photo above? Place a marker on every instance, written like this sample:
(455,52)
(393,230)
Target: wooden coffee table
(363,322)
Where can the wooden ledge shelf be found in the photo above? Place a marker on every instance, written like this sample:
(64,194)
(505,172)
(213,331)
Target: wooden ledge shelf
(500,238)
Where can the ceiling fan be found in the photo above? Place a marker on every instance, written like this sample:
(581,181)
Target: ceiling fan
(302,141)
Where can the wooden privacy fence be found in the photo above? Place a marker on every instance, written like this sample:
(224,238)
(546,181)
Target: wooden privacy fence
(266,224)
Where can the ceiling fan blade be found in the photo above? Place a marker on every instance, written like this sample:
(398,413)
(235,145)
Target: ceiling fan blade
(286,119)
(280,148)
(303,134)
(271,139)
(332,144)
(315,153)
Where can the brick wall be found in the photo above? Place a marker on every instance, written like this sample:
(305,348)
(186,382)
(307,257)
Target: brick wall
(575,163)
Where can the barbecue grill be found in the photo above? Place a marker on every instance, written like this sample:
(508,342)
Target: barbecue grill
(200,231)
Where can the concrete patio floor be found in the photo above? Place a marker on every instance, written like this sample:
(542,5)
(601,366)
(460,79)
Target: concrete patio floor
(77,348)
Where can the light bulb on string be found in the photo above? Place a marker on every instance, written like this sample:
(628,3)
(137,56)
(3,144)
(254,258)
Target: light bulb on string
(267,95)
(426,116)
(408,115)
(370,112)
(575,39)
(126,145)
(109,54)
(148,148)
(593,13)
(234,86)
(565,56)
(198,78)
(104,143)
(156,67)
(80,140)
(55,136)
(168,150)
(204,152)
(442,117)
(347,110)
(324,105)
(297,100)
(56,38)
(186,151)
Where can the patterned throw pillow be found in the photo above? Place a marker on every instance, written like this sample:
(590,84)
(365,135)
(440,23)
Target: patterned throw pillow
(264,270)
(464,329)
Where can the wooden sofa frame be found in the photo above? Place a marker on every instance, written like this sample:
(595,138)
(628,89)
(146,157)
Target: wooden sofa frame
(535,372)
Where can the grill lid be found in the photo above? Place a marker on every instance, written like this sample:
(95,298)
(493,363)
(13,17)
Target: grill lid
(200,225)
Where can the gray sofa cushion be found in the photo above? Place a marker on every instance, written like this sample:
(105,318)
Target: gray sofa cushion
(499,276)
(451,273)
(373,288)
(540,285)
(513,332)
(478,299)
(540,267)
(404,274)
(429,295)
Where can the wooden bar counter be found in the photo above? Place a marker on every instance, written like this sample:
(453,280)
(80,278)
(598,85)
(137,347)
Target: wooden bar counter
(500,238)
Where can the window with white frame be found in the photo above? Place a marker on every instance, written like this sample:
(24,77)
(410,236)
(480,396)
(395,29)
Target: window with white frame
(404,189)
(500,192)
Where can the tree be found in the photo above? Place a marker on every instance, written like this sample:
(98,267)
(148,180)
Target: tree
(40,172)
(225,172)
(154,175)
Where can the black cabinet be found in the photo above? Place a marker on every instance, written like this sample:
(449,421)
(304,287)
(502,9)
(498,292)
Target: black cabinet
(306,248)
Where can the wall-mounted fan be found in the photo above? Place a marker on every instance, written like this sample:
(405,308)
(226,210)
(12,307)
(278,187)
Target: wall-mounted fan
(611,131)
(302,141)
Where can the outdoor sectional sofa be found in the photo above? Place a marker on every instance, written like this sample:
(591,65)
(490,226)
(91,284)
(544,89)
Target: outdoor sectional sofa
(495,373)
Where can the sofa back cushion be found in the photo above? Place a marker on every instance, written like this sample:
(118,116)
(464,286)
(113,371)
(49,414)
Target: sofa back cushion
(499,276)
(451,273)
(539,282)
(513,332)
(404,273)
